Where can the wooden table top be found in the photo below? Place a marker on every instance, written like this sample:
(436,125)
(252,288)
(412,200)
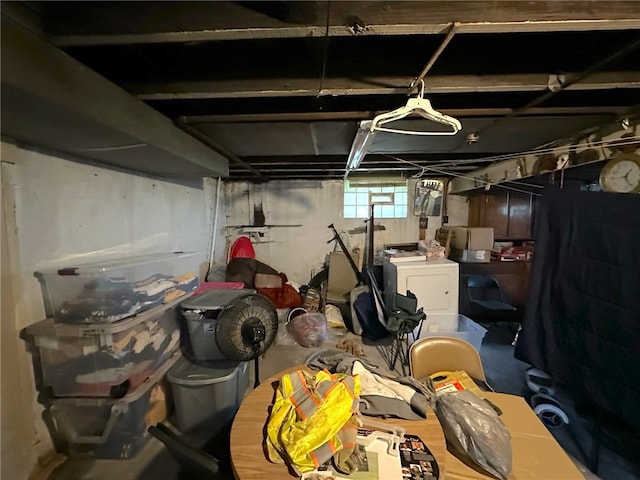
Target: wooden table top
(249,460)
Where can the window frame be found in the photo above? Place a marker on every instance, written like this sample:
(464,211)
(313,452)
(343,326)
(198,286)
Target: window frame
(353,200)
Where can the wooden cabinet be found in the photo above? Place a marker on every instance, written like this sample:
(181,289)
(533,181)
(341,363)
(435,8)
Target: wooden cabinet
(509,213)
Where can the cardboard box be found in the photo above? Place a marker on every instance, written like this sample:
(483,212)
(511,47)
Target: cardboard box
(536,454)
(470,256)
(471,238)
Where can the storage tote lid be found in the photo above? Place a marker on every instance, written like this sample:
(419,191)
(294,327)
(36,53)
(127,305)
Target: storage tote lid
(97,267)
(190,374)
(49,328)
(215,299)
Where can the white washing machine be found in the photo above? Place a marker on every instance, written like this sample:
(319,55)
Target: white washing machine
(435,283)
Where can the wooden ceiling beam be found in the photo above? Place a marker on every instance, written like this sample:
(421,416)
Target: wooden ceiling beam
(364,115)
(252,33)
(103,23)
(304,87)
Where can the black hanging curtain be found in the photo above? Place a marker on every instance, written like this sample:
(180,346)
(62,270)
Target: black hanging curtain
(582,324)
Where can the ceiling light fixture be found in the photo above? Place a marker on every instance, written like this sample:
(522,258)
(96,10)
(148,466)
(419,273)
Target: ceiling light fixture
(360,146)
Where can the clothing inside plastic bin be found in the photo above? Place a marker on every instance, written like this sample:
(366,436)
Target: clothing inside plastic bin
(108,300)
(109,290)
(77,377)
(104,360)
(105,427)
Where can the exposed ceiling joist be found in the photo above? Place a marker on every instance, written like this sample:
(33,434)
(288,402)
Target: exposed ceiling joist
(215,21)
(365,115)
(368,167)
(305,162)
(254,33)
(293,87)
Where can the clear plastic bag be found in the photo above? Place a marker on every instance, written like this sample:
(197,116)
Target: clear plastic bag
(308,329)
(283,337)
(334,316)
(475,433)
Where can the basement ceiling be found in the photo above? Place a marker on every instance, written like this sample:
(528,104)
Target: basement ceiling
(279,88)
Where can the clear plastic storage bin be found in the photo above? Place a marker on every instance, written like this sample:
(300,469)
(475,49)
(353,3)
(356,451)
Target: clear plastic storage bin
(452,325)
(105,292)
(106,427)
(102,360)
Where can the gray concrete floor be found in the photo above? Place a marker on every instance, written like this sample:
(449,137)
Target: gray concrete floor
(504,373)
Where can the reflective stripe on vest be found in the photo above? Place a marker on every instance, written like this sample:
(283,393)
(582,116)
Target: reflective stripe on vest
(307,416)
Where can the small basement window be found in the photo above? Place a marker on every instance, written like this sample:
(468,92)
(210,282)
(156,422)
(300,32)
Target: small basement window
(389,198)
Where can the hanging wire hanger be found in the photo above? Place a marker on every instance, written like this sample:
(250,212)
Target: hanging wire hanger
(418,106)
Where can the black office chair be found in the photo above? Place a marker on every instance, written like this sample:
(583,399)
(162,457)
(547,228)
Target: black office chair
(487,302)
(196,463)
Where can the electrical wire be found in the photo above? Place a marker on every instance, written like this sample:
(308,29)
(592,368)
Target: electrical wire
(448,172)
(443,172)
(511,156)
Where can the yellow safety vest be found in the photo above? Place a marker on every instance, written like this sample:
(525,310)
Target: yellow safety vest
(305,428)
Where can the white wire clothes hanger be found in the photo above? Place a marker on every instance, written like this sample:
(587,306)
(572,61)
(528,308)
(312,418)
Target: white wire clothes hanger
(419,106)
(368,128)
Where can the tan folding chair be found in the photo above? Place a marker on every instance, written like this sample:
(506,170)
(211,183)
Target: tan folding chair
(342,279)
(436,354)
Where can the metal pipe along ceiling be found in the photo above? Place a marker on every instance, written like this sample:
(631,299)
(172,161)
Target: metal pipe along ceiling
(434,57)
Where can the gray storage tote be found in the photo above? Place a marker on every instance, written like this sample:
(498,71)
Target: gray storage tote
(207,395)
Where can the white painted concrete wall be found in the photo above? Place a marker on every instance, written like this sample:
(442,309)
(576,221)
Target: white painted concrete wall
(55,212)
(300,251)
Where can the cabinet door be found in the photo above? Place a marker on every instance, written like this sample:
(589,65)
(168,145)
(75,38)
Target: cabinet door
(476,206)
(496,214)
(435,292)
(510,214)
(520,215)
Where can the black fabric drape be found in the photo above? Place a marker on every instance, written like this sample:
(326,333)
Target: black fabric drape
(582,324)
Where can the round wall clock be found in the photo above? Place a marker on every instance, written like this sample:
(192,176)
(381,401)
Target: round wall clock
(621,174)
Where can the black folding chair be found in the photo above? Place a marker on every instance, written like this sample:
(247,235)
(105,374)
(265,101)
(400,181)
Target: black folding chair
(487,302)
